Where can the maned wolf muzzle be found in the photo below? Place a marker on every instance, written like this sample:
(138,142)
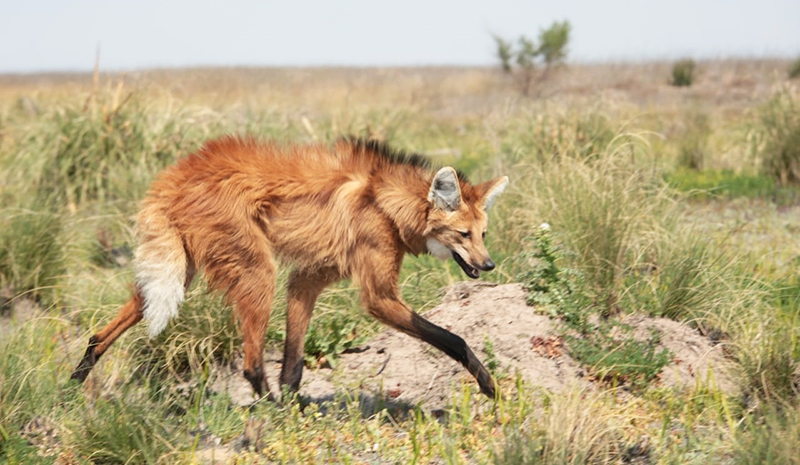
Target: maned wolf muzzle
(470,270)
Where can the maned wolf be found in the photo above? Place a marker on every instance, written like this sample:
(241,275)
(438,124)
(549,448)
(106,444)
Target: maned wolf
(351,211)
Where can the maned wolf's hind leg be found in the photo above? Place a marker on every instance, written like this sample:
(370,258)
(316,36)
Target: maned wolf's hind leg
(302,292)
(128,315)
(252,298)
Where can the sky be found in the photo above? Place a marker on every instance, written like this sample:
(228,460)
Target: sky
(63,35)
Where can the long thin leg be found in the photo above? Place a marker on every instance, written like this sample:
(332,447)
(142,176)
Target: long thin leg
(128,315)
(302,291)
(252,297)
(381,297)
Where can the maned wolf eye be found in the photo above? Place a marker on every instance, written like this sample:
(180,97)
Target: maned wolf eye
(483,236)
(465,234)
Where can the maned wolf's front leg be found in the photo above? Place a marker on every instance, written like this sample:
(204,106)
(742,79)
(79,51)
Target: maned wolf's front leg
(397,314)
(382,299)
(302,291)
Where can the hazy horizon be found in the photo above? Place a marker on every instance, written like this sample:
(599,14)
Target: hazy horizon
(49,36)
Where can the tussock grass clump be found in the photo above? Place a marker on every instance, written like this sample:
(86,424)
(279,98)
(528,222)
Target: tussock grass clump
(128,429)
(683,73)
(693,147)
(766,350)
(548,137)
(105,147)
(576,428)
(775,137)
(693,278)
(204,333)
(771,437)
(604,210)
(31,254)
(30,378)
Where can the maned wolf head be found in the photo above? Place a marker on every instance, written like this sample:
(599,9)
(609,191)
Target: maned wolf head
(458,220)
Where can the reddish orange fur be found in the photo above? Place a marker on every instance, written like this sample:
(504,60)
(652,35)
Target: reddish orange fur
(239,205)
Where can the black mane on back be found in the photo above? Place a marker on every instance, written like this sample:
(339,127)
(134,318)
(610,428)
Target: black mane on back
(395,156)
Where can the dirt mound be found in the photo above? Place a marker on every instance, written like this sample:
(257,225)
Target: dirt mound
(398,368)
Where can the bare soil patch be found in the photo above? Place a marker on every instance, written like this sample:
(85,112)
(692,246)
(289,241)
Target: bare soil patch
(397,369)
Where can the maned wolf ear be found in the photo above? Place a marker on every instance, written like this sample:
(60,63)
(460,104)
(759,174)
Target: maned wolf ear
(491,189)
(445,194)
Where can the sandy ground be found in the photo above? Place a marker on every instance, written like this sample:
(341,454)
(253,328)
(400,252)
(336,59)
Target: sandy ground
(398,370)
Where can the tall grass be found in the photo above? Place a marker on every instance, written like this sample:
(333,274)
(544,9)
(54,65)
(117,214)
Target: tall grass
(576,428)
(606,211)
(31,254)
(775,137)
(74,165)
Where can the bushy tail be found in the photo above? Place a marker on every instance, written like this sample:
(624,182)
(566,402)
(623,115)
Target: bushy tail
(160,265)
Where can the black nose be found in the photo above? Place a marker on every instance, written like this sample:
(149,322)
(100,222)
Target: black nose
(488,265)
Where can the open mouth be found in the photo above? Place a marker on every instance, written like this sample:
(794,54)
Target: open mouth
(470,271)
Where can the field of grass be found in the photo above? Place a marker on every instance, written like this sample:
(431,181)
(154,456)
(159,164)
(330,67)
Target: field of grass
(664,201)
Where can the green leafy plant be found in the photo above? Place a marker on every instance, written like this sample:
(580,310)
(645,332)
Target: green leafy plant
(618,359)
(330,336)
(556,290)
(492,364)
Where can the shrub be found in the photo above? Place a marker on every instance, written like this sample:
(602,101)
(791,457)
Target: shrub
(606,348)
(556,290)
(504,53)
(552,50)
(794,69)
(683,73)
(775,138)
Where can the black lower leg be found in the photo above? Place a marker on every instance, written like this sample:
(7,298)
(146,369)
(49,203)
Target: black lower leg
(256,378)
(87,362)
(456,348)
(291,371)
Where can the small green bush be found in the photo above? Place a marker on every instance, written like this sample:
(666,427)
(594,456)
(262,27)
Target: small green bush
(561,293)
(619,359)
(683,73)
(558,291)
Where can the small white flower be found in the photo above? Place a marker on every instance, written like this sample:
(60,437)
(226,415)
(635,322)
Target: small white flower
(544,226)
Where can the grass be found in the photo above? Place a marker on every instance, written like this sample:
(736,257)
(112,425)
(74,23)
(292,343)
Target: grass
(626,236)
(775,137)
